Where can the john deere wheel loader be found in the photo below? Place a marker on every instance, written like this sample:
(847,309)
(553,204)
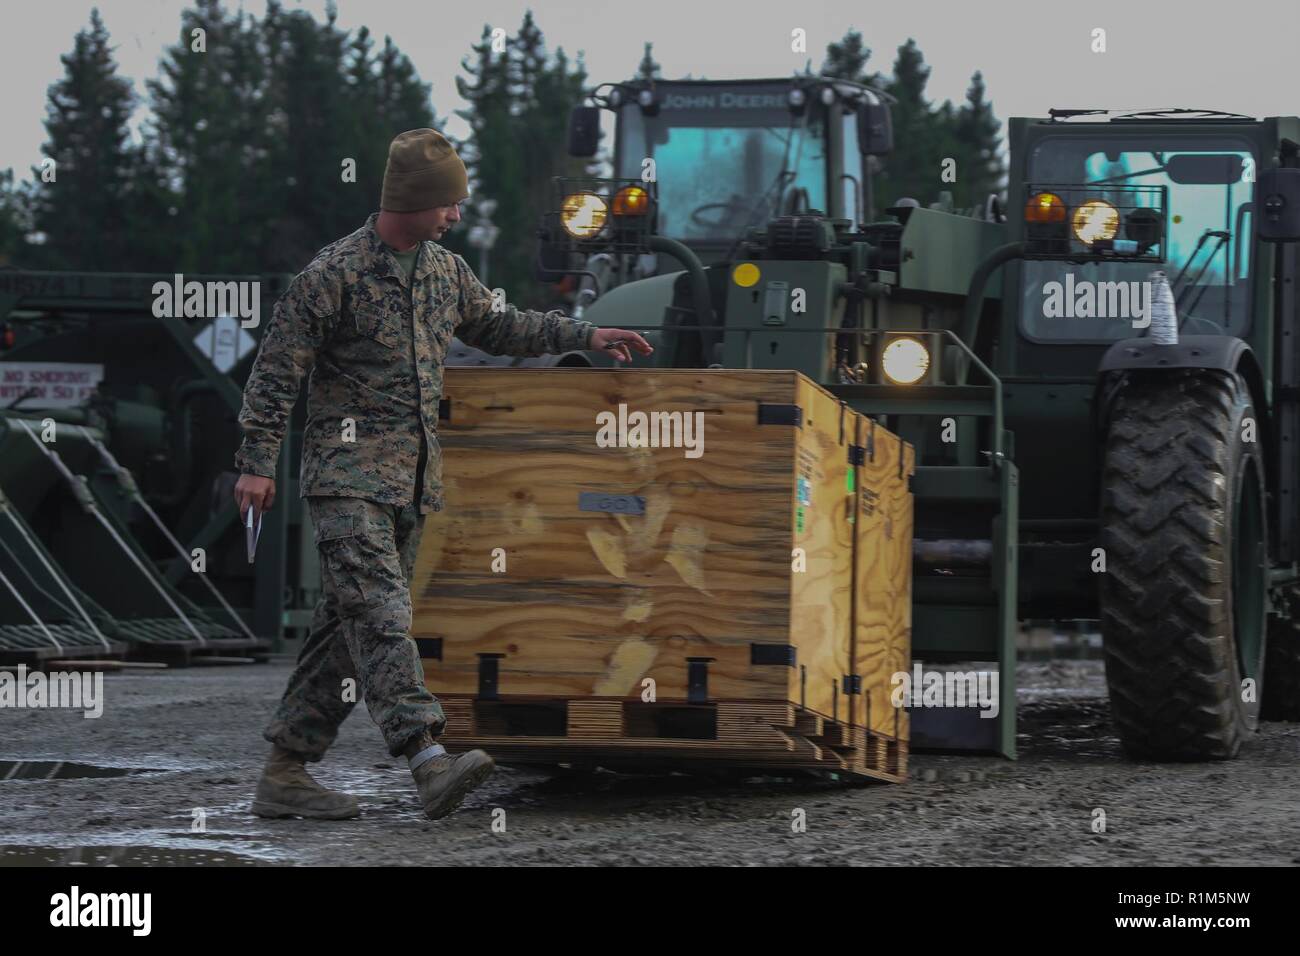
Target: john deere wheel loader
(1071,464)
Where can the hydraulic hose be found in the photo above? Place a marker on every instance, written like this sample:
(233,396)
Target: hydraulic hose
(699,286)
(970,320)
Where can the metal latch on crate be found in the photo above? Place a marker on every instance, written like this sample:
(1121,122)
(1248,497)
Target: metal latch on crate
(487,676)
(697,679)
(776,414)
(779,654)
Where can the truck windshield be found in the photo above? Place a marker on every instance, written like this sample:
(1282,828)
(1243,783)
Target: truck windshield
(723,168)
(1208,247)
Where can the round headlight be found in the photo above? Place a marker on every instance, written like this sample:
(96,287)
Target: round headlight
(1044,208)
(631,201)
(905,361)
(583,215)
(796,97)
(615,97)
(1093,220)
(646,97)
(828,95)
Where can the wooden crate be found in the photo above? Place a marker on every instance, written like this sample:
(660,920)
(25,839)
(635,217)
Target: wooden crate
(542,610)
(882,625)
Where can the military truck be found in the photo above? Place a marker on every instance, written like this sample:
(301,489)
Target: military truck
(118,529)
(1071,463)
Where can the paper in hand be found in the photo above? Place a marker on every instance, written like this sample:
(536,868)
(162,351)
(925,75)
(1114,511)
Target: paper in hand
(251,533)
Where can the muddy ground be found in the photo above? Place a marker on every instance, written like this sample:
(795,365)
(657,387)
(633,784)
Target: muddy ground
(198,730)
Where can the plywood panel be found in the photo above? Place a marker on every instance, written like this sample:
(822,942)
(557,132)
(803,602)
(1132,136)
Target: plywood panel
(588,604)
(883,615)
(822,593)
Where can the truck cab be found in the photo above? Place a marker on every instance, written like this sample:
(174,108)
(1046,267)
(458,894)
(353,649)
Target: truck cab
(721,158)
(731,155)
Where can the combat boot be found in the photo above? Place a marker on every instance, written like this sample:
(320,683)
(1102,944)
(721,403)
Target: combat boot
(288,790)
(444,780)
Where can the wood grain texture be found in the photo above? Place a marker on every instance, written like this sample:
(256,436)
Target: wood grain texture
(821,595)
(590,604)
(883,615)
(757,735)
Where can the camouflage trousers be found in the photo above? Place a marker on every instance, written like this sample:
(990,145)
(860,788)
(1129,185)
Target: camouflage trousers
(361,630)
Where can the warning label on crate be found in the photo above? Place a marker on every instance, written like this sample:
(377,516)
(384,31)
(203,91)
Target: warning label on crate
(805,490)
(47,384)
(808,472)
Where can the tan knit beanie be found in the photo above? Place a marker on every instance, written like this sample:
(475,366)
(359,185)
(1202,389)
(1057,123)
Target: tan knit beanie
(423,171)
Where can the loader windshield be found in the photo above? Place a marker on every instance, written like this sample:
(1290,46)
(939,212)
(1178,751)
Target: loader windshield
(726,159)
(1209,183)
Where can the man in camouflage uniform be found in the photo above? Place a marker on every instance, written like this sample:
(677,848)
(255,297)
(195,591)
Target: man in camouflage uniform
(370,321)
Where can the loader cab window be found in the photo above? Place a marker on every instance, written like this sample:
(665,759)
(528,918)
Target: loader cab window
(1209,262)
(723,170)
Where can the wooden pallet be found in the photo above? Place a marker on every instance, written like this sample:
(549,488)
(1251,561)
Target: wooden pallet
(186,653)
(613,732)
(36,657)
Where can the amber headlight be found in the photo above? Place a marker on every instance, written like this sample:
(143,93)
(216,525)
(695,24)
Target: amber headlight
(631,201)
(1044,208)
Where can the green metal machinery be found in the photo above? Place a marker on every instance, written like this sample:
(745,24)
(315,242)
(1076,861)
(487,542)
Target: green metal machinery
(119,536)
(118,531)
(1076,460)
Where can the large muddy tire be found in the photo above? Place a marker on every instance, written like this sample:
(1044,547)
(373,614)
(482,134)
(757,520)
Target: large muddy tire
(1281,698)
(1183,599)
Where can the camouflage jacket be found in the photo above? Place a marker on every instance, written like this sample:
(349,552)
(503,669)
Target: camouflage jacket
(372,343)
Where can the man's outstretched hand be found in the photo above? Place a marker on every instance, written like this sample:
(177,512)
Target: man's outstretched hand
(256,491)
(617,341)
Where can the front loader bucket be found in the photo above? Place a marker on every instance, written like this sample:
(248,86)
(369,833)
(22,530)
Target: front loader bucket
(43,615)
(96,550)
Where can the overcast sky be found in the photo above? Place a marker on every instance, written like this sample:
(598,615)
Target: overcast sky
(1239,56)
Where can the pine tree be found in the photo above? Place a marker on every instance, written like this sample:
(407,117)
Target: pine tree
(252,138)
(403,102)
(488,153)
(15,223)
(923,135)
(648,69)
(520,106)
(847,60)
(978,132)
(309,98)
(85,212)
(385,96)
(210,140)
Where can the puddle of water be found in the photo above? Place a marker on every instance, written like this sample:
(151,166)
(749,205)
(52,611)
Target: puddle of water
(20,855)
(61,770)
